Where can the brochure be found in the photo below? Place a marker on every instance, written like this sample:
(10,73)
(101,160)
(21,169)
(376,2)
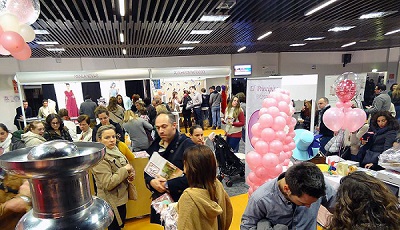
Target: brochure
(158,165)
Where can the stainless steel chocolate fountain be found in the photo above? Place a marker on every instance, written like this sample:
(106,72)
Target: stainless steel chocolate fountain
(58,178)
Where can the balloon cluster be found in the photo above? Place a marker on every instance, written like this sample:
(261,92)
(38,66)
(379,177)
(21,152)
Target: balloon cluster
(15,30)
(271,134)
(344,116)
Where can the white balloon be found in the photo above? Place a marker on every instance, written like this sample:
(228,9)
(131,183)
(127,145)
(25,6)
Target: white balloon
(27,11)
(9,22)
(27,32)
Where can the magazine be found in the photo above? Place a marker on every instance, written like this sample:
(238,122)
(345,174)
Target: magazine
(158,165)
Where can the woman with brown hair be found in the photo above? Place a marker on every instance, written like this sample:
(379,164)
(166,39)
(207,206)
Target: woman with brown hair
(364,202)
(136,127)
(55,129)
(234,120)
(116,111)
(205,204)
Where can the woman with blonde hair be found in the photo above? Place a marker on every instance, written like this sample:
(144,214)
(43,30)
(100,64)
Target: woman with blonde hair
(234,120)
(136,127)
(396,101)
(33,134)
(364,202)
(204,204)
(112,176)
(116,111)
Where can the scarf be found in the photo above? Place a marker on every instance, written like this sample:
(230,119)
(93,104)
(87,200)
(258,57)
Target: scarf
(5,145)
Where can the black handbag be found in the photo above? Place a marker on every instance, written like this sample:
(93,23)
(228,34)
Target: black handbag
(345,153)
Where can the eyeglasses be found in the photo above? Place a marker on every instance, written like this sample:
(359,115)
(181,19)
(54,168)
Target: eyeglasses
(55,123)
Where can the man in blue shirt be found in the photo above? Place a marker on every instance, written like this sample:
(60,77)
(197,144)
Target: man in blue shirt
(293,199)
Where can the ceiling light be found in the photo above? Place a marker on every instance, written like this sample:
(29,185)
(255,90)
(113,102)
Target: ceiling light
(392,32)
(122,7)
(55,49)
(374,70)
(349,44)
(123,51)
(318,7)
(214,18)
(201,32)
(186,48)
(298,44)
(340,28)
(314,38)
(264,35)
(376,15)
(190,42)
(46,43)
(121,37)
(41,32)
(241,49)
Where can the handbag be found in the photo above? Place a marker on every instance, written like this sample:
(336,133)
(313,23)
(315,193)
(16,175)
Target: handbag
(132,192)
(370,157)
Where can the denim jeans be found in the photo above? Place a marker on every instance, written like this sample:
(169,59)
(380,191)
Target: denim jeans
(233,142)
(216,117)
(198,116)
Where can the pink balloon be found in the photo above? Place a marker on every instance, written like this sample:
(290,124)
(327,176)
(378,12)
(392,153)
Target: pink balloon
(282,157)
(261,147)
(253,159)
(273,111)
(334,119)
(286,162)
(291,145)
(288,154)
(269,102)
(262,111)
(339,104)
(275,171)
(1,30)
(4,51)
(289,138)
(268,134)
(346,90)
(285,97)
(284,107)
(279,123)
(292,110)
(354,119)
(285,148)
(12,41)
(348,104)
(250,191)
(261,173)
(280,135)
(270,160)
(254,140)
(277,96)
(293,122)
(248,182)
(266,120)
(275,146)
(256,130)
(24,54)
(254,179)
(292,134)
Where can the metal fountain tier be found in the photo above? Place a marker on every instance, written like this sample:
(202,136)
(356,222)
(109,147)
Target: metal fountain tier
(59,182)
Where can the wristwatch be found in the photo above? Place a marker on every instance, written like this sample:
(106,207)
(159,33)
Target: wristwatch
(26,199)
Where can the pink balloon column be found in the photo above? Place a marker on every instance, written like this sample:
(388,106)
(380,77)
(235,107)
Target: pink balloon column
(15,18)
(343,116)
(271,134)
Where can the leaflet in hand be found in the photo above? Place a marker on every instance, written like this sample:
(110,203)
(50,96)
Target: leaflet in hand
(158,165)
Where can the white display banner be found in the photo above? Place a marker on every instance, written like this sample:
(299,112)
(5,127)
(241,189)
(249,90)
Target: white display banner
(215,71)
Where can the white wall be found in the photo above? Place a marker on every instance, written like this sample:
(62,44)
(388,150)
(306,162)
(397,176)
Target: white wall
(9,101)
(326,63)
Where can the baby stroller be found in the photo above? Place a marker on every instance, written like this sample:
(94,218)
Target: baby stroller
(228,163)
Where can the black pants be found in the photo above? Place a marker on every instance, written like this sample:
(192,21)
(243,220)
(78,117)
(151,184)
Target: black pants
(198,116)
(154,216)
(122,213)
(187,122)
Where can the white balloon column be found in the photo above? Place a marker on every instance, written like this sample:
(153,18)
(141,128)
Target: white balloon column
(271,135)
(16,16)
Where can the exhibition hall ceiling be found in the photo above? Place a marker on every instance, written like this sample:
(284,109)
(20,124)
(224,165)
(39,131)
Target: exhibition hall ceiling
(159,28)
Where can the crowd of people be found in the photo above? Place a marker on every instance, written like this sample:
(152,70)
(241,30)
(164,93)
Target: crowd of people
(290,201)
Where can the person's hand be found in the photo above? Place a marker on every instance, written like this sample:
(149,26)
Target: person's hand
(363,142)
(129,168)
(369,165)
(24,189)
(368,107)
(17,204)
(158,184)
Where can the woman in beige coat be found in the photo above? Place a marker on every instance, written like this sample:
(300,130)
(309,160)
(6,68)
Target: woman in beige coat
(112,175)
(33,135)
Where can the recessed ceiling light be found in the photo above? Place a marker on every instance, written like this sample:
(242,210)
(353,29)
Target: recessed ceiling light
(55,49)
(201,32)
(376,14)
(46,43)
(214,18)
(298,44)
(314,38)
(348,44)
(374,70)
(319,7)
(241,49)
(392,32)
(186,48)
(123,51)
(121,37)
(264,35)
(41,32)
(121,4)
(340,28)
(190,42)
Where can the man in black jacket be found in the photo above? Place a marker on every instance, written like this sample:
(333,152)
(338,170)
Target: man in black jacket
(327,134)
(102,114)
(28,114)
(170,145)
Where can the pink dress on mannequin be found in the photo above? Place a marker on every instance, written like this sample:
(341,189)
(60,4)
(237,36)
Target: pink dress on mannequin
(70,104)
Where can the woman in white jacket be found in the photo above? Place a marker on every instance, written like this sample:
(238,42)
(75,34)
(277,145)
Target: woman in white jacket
(33,135)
